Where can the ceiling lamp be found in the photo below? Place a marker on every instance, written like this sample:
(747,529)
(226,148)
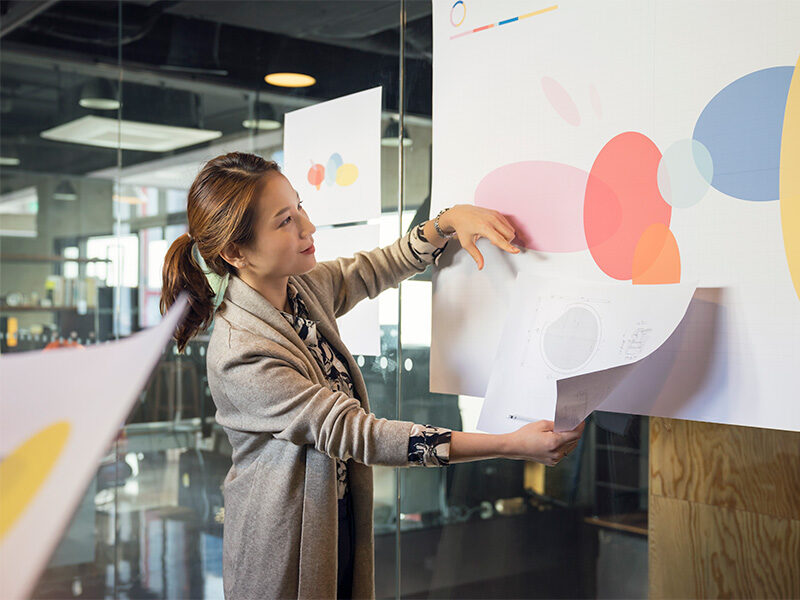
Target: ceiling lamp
(65,191)
(262,124)
(98,94)
(391,136)
(265,119)
(8,161)
(290,79)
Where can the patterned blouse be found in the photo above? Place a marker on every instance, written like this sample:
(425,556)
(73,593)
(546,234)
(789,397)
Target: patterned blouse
(427,445)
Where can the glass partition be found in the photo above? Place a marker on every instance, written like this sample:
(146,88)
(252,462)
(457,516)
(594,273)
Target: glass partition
(108,111)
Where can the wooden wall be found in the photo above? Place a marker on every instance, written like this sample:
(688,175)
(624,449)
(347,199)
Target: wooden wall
(724,514)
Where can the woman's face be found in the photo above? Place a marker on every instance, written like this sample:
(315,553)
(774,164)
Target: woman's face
(283,243)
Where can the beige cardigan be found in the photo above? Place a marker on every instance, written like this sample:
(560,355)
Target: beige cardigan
(285,426)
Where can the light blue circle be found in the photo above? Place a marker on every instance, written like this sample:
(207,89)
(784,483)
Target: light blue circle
(334,162)
(685,173)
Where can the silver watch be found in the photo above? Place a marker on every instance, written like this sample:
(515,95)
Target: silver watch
(438,229)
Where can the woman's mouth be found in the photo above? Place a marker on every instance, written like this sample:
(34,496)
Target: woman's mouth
(309,250)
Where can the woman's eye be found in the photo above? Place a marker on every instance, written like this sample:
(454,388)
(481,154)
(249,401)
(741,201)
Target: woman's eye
(285,221)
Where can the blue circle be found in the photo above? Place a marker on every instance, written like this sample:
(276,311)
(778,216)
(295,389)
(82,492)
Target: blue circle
(741,127)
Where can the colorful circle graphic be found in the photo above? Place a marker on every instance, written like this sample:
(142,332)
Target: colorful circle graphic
(622,201)
(26,468)
(741,127)
(457,15)
(685,173)
(790,179)
(543,199)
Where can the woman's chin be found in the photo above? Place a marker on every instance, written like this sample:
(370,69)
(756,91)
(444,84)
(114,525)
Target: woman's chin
(311,261)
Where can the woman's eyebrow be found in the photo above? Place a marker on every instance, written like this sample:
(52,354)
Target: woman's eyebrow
(286,208)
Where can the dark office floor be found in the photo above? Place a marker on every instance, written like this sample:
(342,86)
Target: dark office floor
(167,542)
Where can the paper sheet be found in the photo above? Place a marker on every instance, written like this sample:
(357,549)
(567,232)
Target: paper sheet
(559,329)
(695,136)
(360,329)
(61,410)
(332,156)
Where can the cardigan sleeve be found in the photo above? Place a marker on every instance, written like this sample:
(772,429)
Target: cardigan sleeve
(368,273)
(266,394)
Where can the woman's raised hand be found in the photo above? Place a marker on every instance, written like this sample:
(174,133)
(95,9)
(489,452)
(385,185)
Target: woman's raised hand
(537,441)
(472,222)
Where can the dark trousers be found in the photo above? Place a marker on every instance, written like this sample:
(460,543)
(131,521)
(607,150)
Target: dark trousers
(344,588)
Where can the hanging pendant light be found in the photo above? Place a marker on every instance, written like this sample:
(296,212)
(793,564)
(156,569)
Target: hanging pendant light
(99,94)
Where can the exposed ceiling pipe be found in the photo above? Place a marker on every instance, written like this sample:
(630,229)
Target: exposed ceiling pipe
(21,12)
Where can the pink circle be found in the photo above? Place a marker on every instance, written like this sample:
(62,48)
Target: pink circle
(544,201)
(560,100)
(622,201)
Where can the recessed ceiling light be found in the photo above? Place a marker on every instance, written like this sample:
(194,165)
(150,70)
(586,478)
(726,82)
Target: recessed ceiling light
(263,124)
(8,161)
(290,79)
(129,135)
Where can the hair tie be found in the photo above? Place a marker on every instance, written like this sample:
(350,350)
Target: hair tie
(217,282)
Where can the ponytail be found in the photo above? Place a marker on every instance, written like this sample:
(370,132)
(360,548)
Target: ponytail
(181,272)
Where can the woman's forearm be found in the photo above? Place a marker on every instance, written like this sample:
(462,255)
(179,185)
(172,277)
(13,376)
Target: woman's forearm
(534,441)
(465,447)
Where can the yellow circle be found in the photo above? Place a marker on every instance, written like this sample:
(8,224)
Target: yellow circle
(24,471)
(346,174)
(789,191)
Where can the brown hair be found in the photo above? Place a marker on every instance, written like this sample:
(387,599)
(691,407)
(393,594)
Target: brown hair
(221,208)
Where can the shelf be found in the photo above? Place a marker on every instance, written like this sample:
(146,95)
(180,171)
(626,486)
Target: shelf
(42,308)
(623,449)
(48,258)
(630,523)
(620,487)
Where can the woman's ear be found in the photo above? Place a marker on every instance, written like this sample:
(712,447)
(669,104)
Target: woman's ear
(232,255)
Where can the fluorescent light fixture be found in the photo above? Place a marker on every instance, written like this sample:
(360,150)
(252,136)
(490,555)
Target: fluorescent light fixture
(290,79)
(262,124)
(99,103)
(131,135)
(98,94)
(8,161)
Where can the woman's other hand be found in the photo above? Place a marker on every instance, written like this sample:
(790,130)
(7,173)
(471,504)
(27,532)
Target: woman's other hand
(538,442)
(472,222)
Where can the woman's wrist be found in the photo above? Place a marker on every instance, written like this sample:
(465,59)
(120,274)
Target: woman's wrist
(468,446)
(445,223)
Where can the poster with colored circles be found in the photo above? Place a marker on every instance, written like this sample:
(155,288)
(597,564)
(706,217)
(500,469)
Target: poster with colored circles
(332,157)
(636,143)
(54,432)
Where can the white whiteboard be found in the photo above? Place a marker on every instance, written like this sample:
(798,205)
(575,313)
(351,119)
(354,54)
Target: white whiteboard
(593,123)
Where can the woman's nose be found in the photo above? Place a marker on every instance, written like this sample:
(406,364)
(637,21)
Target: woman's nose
(309,228)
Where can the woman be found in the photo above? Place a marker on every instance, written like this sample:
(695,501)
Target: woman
(298,498)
